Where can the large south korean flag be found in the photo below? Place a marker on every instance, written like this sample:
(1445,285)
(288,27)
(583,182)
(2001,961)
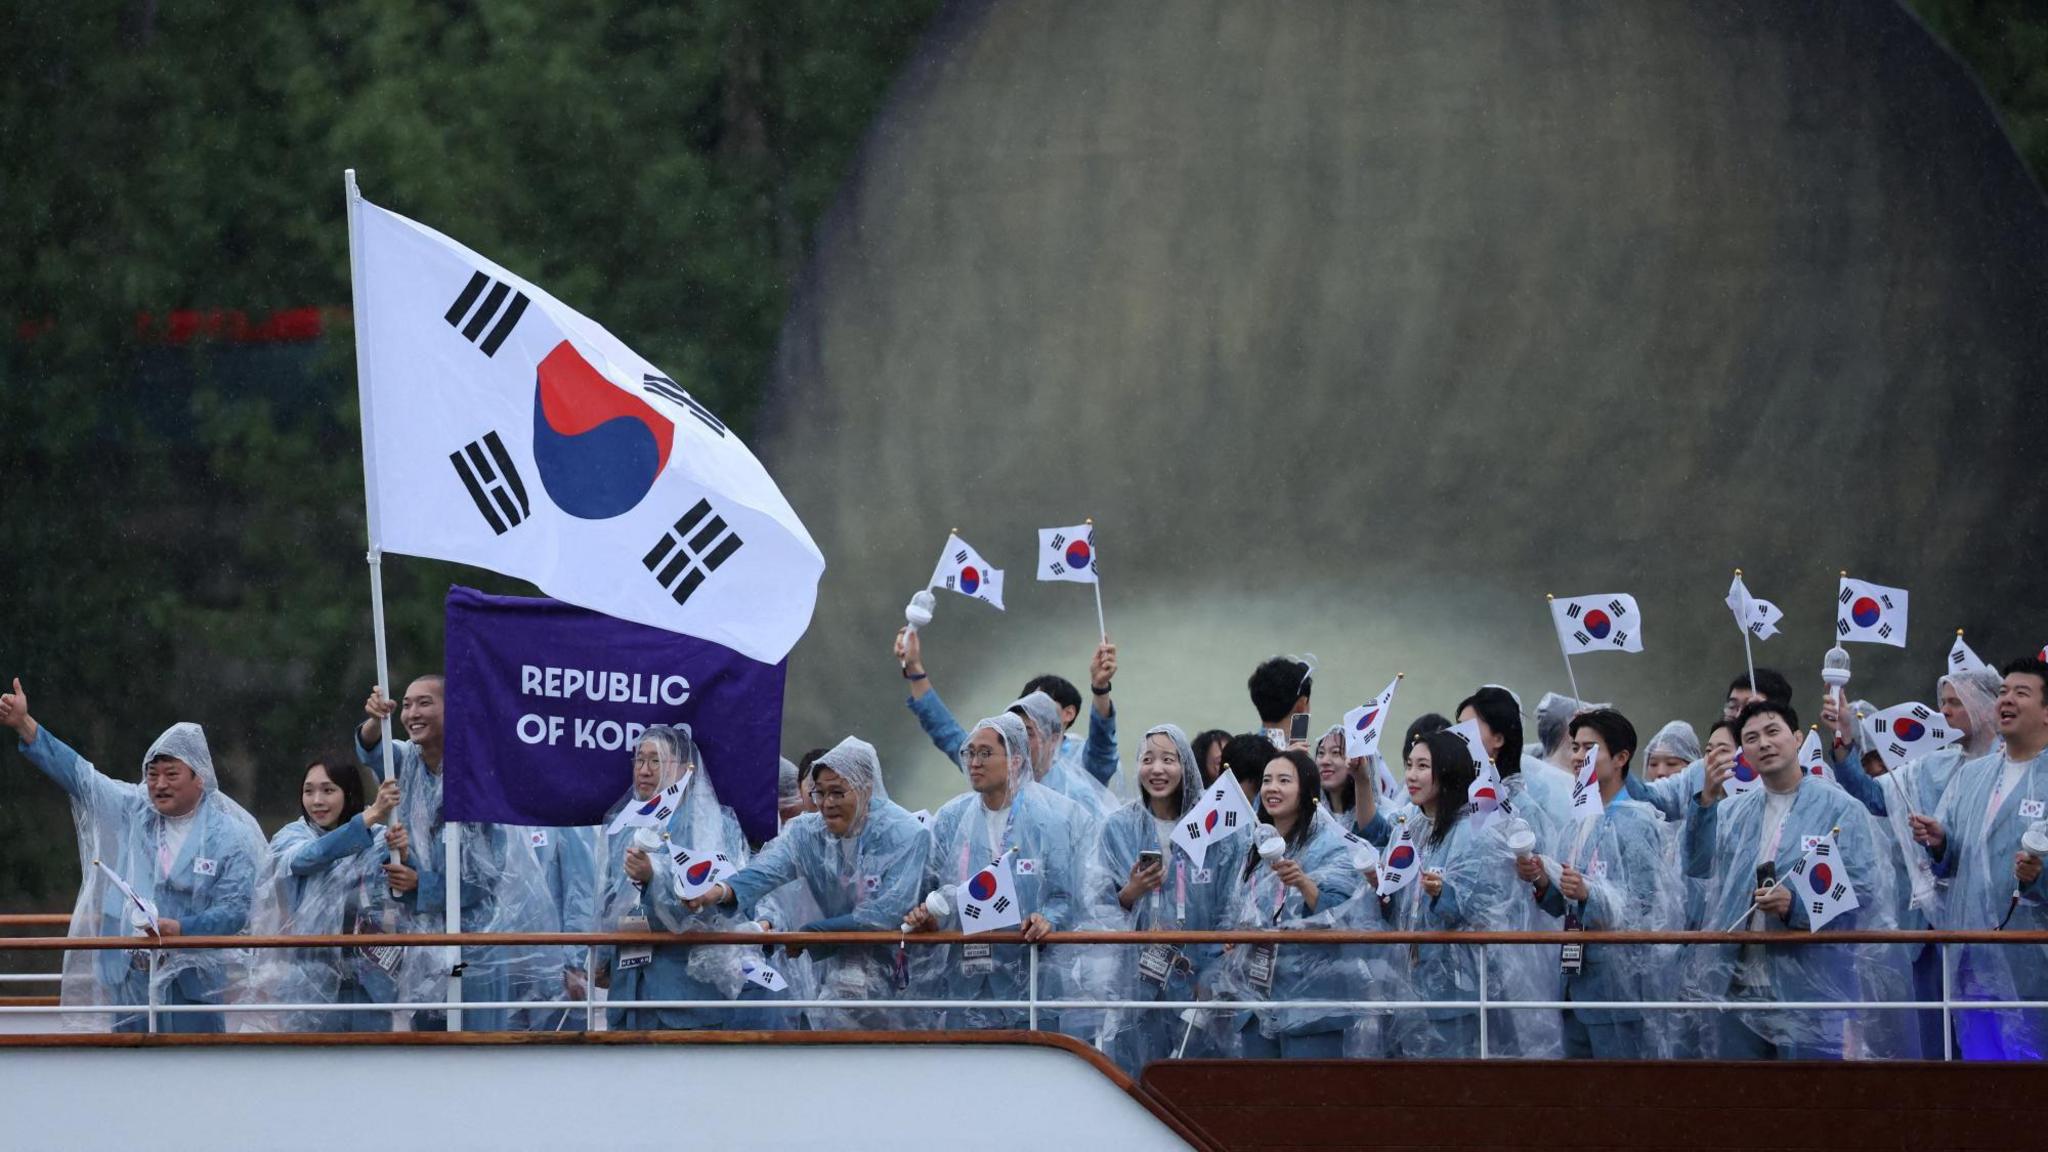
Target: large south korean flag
(505,430)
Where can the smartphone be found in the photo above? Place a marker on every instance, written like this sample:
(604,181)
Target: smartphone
(1297,728)
(1149,859)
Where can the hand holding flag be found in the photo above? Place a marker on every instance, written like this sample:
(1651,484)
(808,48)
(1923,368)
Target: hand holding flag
(1813,759)
(988,900)
(1586,800)
(698,872)
(1067,554)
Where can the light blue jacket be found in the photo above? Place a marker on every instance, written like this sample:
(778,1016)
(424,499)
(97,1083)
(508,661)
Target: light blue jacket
(1097,757)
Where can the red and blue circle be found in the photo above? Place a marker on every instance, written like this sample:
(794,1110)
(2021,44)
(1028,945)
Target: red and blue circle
(1080,555)
(1597,624)
(598,448)
(1365,721)
(983,886)
(1401,857)
(970,579)
(1209,821)
(1744,771)
(1865,612)
(1908,729)
(1821,878)
(698,873)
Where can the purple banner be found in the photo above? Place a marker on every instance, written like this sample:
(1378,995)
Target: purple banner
(545,701)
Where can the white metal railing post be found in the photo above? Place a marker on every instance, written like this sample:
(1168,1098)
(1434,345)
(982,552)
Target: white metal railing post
(1948,1023)
(590,987)
(1482,1001)
(1031,992)
(150,974)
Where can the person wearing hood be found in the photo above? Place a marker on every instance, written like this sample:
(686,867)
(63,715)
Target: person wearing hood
(325,876)
(189,856)
(499,884)
(1007,815)
(862,861)
(1095,758)
(644,868)
(1978,839)
(1141,881)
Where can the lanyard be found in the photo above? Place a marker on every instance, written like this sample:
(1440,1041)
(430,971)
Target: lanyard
(1999,791)
(1001,846)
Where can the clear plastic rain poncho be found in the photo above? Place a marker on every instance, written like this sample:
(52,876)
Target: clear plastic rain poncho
(1285,971)
(1632,885)
(200,870)
(568,867)
(1554,713)
(1480,893)
(864,879)
(1916,788)
(1043,828)
(1061,773)
(704,828)
(1726,843)
(1676,739)
(500,889)
(320,882)
(1192,896)
(1986,821)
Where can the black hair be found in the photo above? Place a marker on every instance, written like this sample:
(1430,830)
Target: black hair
(1061,690)
(1770,683)
(1755,708)
(1310,793)
(803,766)
(1496,708)
(1201,744)
(1275,685)
(1245,757)
(1424,724)
(1719,725)
(1346,794)
(2028,666)
(347,777)
(1615,731)
(1451,763)
(440,683)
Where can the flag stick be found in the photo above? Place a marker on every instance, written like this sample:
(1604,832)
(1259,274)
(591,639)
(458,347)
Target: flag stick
(371,518)
(1569,677)
(1095,562)
(1748,660)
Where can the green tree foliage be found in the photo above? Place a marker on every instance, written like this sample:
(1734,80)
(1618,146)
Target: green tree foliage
(184,525)
(2005,42)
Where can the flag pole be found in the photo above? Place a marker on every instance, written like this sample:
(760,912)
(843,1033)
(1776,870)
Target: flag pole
(1095,562)
(1572,679)
(371,518)
(1748,660)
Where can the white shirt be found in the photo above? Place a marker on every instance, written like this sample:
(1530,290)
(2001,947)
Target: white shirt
(1777,805)
(171,842)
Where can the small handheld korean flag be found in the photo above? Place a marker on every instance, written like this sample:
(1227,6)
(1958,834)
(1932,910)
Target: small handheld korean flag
(1586,802)
(1221,811)
(697,871)
(654,811)
(988,900)
(1486,790)
(1813,759)
(1962,659)
(1067,554)
(1599,623)
(1364,724)
(1402,863)
(1759,617)
(759,973)
(1821,882)
(1905,732)
(1743,779)
(1871,613)
(961,569)
(1392,790)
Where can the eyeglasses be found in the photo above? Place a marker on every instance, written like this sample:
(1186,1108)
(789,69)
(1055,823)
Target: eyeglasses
(835,795)
(646,761)
(979,755)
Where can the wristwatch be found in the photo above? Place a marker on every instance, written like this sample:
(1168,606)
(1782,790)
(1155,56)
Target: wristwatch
(1102,691)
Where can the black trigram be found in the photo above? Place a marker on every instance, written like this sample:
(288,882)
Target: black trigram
(1616,607)
(1572,610)
(486,470)
(970,911)
(1957,659)
(1581,637)
(668,389)
(493,307)
(687,554)
(1621,638)
(1002,904)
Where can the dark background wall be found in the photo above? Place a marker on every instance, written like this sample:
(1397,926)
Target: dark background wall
(1359,327)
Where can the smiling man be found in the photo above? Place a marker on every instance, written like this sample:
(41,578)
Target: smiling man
(1978,841)
(187,853)
(1747,848)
